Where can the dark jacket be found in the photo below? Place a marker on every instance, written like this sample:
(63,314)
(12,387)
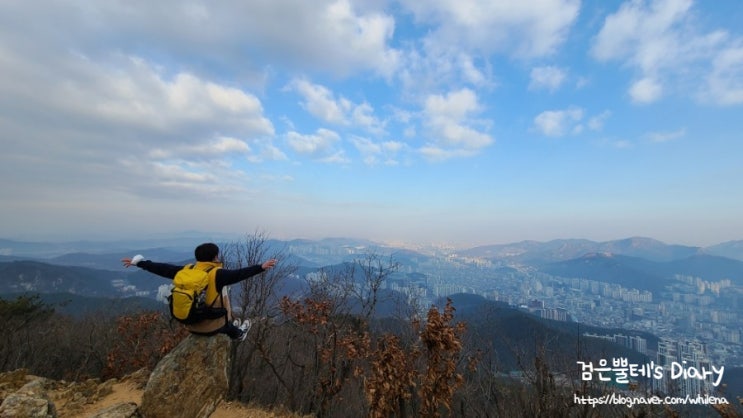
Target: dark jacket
(221,278)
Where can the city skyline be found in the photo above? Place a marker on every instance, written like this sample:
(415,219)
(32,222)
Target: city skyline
(463,122)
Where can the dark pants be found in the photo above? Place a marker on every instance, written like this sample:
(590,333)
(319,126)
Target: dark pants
(231,330)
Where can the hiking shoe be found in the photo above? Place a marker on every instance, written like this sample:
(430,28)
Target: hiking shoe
(244,328)
(246,325)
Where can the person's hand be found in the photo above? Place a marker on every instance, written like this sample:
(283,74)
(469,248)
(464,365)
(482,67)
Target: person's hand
(128,262)
(268,264)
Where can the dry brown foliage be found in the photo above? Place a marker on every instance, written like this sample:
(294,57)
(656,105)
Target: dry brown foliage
(391,378)
(443,344)
(144,339)
(397,377)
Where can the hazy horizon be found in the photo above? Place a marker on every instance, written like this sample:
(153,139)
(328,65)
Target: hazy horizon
(467,122)
(192,237)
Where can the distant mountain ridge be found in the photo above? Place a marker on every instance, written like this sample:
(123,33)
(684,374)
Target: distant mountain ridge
(643,274)
(112,261)
(526,251)
(730,249)
(181,241)
(630,272)
(38,277)
(565,249)
(640,263)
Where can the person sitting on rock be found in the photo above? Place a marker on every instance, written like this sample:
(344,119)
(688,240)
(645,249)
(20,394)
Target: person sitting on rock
(207,255)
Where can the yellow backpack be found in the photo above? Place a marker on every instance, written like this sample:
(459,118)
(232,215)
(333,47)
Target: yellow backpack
(187,300)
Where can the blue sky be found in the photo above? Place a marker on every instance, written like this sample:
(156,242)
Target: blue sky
(466,122)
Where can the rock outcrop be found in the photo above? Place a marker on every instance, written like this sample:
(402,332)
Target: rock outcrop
(190,381)
(31,400)
(120,410)
(26,395)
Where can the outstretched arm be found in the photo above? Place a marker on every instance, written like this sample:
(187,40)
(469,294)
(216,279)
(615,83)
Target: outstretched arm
(228,277)
(161,269)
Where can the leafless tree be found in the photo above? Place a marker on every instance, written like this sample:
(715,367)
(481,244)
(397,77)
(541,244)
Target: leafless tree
(375,270)
(256,298)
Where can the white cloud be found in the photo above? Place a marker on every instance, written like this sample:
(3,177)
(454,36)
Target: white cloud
(322,103)
(666,136)
(455,105)
(374,153)
(354,40)
(215,148)
(666,46)
(646,90)
(83,114)
(461,37)
(471,73)
(334,36)
(179,179)
(450,125)
(648,36)
(646,33)
(724,84)
(366,146)
(520,28)
(548,78)
(320,146)
(393,146)
(596,123)
(622,144)
(321,142)
(269,152)
(558,123)
(363,115)
(129,91)
(435,153)
(582,82)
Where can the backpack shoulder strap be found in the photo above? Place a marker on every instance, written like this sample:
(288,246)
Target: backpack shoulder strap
(214,279)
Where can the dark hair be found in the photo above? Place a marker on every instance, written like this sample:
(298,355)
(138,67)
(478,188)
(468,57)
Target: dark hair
(206,252)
